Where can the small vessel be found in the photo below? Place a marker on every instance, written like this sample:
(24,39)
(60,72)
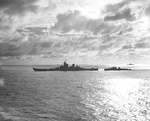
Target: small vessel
(130,64)
(116,69)
(66,67)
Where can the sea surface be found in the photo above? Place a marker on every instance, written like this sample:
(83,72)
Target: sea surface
(26,95)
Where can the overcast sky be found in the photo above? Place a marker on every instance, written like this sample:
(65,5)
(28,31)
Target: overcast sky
(80,31)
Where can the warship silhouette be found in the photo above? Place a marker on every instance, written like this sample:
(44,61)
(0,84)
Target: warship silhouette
(66,67)
(116,69)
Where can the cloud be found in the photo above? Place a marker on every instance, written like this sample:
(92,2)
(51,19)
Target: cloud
(18,7)
(69,21)
(14,13)
(73,31)
(147,10)
(113,8)
(36,30)
(5,22)
(124,14)
(127,47)
(136,48)
(18,47)
(37,45)
(128,10)
(7,49)
(142,45)
(75,21)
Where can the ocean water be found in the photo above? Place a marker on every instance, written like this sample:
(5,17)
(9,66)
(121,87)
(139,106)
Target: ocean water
(26,95)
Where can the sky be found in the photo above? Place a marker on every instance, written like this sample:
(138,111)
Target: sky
(79,31)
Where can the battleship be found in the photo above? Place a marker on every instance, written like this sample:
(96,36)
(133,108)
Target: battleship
(116,69)
(66,67)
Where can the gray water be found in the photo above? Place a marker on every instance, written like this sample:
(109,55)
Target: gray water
(26,95)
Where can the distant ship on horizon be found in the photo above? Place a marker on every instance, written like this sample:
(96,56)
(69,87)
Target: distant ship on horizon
(66,67)
(116,69)
(131,64)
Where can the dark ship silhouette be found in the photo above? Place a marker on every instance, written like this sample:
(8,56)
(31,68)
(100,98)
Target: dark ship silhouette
(66,67)
(116,69)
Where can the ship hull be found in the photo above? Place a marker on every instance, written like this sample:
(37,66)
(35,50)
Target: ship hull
(117,69)
(55,69)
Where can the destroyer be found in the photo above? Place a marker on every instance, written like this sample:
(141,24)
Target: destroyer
(116,69)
